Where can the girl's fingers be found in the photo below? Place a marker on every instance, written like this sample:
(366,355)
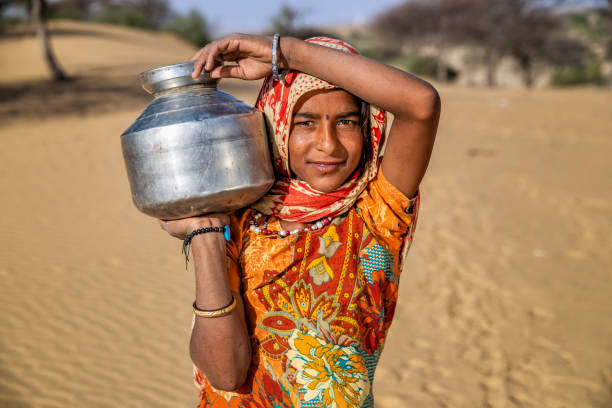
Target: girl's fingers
(227,71)
(198,66)
(225,49)
(210,58)
(197,69)
(200,59)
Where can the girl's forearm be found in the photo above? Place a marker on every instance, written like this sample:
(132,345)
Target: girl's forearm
(219,346)
(396,91)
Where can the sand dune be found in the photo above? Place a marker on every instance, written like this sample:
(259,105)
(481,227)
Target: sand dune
(506,297)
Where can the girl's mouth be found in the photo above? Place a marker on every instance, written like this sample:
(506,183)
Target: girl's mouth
(326,166)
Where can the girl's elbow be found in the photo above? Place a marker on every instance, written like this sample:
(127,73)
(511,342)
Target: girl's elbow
(227,381)
(236,376)
(428,107)
(226,374)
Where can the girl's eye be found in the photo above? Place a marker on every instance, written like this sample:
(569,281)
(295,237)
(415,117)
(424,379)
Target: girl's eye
(304,123)
(347,122)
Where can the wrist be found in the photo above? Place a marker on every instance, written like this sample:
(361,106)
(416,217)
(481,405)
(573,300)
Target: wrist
(207,240)
(286,51)
(202,242)
(203,222)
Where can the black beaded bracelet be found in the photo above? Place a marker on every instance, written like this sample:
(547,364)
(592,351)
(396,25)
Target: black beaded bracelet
(187,242)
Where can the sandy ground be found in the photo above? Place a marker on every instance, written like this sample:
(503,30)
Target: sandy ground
(506,300)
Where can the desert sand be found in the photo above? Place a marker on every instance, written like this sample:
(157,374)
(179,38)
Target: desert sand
(506,296)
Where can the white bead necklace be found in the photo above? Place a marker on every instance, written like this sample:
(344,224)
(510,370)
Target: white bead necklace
(284,233)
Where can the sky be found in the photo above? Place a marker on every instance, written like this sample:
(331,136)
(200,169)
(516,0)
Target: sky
(253,16)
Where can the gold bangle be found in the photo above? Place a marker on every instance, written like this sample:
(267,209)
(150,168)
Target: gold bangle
(215,313)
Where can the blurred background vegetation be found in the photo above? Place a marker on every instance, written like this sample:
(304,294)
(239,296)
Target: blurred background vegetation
(470,42)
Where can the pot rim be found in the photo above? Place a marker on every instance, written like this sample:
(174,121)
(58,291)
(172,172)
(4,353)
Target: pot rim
(174,76)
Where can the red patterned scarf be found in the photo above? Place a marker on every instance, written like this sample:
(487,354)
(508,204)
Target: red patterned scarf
(295,200)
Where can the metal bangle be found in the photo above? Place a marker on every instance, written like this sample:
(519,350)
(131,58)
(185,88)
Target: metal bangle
(215,313)
(275,42)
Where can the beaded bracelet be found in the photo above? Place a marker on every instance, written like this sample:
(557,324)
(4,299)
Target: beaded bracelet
(187,242)
(215,313)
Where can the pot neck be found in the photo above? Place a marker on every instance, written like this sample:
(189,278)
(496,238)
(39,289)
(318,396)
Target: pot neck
(179,89)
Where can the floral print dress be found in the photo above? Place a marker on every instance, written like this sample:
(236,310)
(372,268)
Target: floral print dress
(318,304)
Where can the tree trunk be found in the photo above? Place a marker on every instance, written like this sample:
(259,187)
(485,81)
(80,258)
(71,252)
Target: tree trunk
(526,67)
(491,59)
(41,29)
(441,71)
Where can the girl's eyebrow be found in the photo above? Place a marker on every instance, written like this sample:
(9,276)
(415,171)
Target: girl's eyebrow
(311,115)
(307,115)
(348,114)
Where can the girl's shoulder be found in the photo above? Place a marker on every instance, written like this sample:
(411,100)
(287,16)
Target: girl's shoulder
(239,221)
(388,214)
(240,218)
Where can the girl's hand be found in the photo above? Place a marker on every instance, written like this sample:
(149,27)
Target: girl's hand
(183,227)
(253,54)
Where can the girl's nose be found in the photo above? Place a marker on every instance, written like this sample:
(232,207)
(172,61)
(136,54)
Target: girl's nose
(327,139)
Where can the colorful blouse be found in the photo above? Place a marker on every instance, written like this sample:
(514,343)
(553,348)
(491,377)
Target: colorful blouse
(318,304)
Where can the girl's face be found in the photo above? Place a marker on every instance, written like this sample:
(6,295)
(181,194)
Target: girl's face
(325,141)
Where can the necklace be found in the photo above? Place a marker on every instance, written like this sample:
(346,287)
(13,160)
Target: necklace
(283,233)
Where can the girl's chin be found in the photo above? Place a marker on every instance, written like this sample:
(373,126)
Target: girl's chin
(325,186)
(325,181)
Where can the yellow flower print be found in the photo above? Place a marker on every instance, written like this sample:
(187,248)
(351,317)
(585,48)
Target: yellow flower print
(329,242)
(329,375)
(319,270)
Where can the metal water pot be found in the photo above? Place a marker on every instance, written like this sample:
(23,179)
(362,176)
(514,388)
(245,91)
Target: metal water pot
(195,149)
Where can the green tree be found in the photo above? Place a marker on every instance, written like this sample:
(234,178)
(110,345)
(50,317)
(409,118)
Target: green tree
(606,13)
(286,23)
(70,9)
(126,15)
(528,31)
(191,27)
(152,14)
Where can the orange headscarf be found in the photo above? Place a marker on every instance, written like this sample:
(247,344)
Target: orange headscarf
(295,200)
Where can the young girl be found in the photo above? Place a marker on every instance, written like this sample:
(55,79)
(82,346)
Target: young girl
(294,310)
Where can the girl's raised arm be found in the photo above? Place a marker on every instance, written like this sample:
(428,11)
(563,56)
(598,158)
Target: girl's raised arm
(414,103)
